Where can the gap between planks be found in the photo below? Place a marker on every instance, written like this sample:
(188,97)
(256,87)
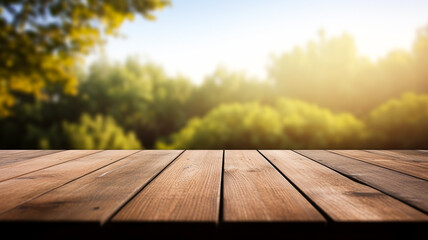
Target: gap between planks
(394,163)
(343,199)
(221,208)
(98,195)
(21,189)
(405,188)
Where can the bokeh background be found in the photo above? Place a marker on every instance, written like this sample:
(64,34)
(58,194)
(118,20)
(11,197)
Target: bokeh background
(83,74)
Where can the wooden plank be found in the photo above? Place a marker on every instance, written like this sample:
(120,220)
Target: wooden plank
(96,196)
(16,191)
(12,156)
(254,192)
(11,151)
(342,199)
(20,168)
(414,156)
(419,170)
(188,191)
(404,187)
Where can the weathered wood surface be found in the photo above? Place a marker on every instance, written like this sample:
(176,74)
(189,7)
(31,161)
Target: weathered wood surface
(222,188)
(414,156)
(12,156)
(188,190)
(255,191)
(96,197)
(340,197)
(23,167)
(404,165)
(18,190)
(401,186)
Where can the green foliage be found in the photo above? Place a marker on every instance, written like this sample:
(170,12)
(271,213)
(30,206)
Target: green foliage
(35,125)
(232,126)
(120,105)
(309,126)
(290,124)
(225,86)
(322,72)
(420,52)
(401,123)
(139,97)
(330,73)
(41,41)
(98,133)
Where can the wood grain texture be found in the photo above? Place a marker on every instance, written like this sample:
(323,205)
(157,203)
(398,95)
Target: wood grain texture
(12,156)
(4,154)
(23,167)
(338,196)
(18,190)
(404,187)
(419,170)
(413,156)
(96,196)
(188,190)
(254,191)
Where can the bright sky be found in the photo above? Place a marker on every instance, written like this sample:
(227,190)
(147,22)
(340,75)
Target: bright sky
(193,37)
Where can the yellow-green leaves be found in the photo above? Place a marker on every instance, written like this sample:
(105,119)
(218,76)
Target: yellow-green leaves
(400,123)
(42,41)
(98,133)
(288,124)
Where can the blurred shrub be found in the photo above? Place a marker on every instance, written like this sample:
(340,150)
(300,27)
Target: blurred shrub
(290,124)
(231,126)
(400,123)
(98,133)
(306,125)
(231,110)
(141,98)
(226,86)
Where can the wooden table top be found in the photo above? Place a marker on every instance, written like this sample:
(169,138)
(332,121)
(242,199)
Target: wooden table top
(237,192)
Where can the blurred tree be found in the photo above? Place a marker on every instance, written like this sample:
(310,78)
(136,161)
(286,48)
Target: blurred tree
(230,126)
(139,97)
(98,133)
(306,125)
(225,86)
(323,72)
(38,125)
(42,40)
(329,72)
(400,123)
(420,51)
(290,124)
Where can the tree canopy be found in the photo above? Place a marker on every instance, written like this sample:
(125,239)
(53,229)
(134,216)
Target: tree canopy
(331,73)
(287,124)
(41,41)
(320,95)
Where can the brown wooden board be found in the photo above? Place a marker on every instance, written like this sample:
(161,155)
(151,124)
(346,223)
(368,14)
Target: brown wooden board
(96,196)
(7,154)
(12,156)
(188,190)
(23,167)
(18,190)
(419,170)
(341,198)
(401,186)
(254,191)
(413,156)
